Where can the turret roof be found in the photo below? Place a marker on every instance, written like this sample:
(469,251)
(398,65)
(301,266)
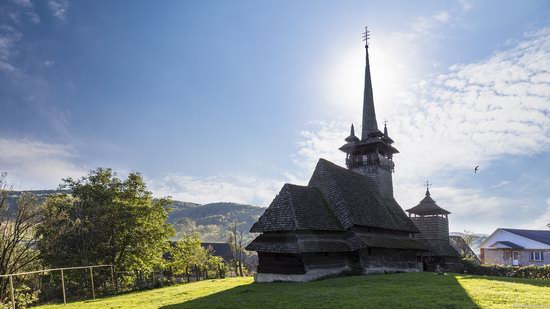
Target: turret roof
(427,207)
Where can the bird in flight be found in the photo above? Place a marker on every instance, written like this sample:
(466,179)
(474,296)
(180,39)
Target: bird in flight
(476,169)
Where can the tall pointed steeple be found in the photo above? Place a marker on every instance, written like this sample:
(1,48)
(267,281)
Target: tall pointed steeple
(372,155)
(369,115)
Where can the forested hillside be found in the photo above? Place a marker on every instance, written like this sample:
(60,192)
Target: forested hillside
(212,221)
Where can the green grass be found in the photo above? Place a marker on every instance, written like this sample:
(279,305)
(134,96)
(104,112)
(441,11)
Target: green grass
(413,290)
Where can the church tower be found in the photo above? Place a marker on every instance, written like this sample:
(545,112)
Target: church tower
(372,155)
(430,219)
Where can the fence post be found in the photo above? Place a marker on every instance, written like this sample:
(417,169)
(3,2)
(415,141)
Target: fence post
(12,293)
(92,279)
(63,286)
(113,281)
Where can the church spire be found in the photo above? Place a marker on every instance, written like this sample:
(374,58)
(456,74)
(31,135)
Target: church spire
(352,138)
(369,115)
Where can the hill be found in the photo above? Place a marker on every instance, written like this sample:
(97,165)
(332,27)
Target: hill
(212,221)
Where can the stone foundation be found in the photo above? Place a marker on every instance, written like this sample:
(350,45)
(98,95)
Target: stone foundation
(308,276)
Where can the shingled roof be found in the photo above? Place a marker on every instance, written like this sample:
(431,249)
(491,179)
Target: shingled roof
(335,241)
(302,243)
(440,247)
(297,208)
(427,207)
(354,200)
(542,236)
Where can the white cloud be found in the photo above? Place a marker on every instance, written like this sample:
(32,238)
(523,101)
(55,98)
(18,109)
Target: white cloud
(48,63)
(321,140)
(58,8)
(9,37)
(472,115)
(24,3)
(479,112)
(466,5)
(33,17)
(219,188)
(37,165)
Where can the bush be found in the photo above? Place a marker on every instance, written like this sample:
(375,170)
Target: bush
(24,297)
(532,272)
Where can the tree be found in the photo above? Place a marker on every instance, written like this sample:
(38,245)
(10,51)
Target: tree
(185,253)
(105,220)
(17,233)
(469,238)
(237,249)
(188,253)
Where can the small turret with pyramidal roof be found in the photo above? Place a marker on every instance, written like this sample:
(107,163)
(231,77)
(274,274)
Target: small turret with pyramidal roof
(433,223)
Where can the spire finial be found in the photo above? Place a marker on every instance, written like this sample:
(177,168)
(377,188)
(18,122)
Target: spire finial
(352,130)
(366,36)
(369,115)
(428,184)
(385,128)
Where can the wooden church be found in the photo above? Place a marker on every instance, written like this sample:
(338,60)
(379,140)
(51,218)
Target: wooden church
(346,220)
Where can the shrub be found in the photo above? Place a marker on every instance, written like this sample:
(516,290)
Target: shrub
(531,272)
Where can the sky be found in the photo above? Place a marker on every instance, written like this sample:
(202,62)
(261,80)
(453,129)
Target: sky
(228,100)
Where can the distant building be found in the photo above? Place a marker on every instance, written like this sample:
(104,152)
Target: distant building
(220,249)
(433,223)
(516,247)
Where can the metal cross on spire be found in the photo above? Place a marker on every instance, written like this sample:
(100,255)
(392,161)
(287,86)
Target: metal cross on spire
(428,184)
(366,36)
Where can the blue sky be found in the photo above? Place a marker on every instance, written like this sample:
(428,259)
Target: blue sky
(228,100)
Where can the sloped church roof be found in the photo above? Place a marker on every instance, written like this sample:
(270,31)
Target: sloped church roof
(335,199)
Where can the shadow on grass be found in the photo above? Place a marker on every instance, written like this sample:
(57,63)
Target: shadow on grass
(417,290)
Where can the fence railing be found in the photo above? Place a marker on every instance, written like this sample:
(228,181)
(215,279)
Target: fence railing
(56,282)
(44,271)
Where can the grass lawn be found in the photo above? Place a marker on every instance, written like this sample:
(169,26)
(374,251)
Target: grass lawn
(412,290)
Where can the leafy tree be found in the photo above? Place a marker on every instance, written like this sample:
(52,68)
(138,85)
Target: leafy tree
(185,253)
(17,236)
(469,237)
(188,253)
(105,220)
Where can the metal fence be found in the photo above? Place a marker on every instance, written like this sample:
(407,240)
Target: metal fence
(62,272)
(84,282)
